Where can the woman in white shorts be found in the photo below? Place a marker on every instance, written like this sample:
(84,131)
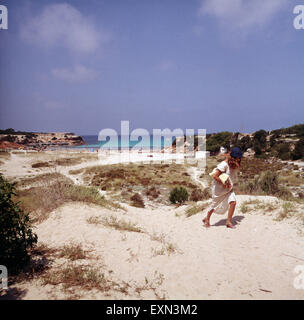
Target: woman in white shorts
(223,196)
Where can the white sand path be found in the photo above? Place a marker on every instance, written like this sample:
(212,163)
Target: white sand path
(254,261)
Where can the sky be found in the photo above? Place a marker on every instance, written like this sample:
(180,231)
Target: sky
(85,65)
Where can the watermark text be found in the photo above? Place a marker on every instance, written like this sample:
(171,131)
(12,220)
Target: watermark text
(3,18)
(3,277)
(298,22)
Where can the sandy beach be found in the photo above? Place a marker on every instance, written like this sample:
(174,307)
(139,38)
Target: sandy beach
(169,255)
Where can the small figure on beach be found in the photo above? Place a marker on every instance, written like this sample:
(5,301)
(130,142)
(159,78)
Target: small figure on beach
(223,196)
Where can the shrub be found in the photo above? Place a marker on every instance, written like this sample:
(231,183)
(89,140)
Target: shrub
(137,201)
(244,144)
(77,275)
(283,151)
(16,235)
(153,193)
(40,165)
(199,195)
(215,141)
(268,182)
(298,152)
(178,195)
(44,199)
(72,252)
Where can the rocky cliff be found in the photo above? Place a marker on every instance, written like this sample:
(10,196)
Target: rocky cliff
(31,140)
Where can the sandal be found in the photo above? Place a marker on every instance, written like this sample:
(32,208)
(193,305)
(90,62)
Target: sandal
(230,225)
(206,225)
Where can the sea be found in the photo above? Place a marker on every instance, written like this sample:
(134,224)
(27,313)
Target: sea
(91,142)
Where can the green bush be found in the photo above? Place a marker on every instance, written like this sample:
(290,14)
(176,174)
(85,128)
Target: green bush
(283,151)
(298,152)
(179,195)
(244,144)
(265,183)
(218,140)
(16,235)
(268,182)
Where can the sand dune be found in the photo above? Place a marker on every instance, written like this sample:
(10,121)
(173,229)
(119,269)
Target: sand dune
(175,257)
(254,261)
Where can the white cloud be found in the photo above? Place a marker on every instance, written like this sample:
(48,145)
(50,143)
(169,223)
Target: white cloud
(78,74)
(64,25)
(242,14)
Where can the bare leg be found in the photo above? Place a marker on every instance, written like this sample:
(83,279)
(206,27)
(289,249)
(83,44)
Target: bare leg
(206,220)
(232,205)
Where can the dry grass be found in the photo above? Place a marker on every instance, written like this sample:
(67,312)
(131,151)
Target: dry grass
(252,167)
(120,224)
(255,205)
(39,201)
(292,179)
(288,210)
(72,252)
(42,179)
(41,165)
(62,159)
(166,248)
(137,201)
(113,222)
(94,220)
(153,193)
(199,194)
(4,155)
(195,209)
(77,276)
(142,178)
(152,285)
(76,171)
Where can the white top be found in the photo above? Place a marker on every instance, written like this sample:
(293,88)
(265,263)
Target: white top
(224,167)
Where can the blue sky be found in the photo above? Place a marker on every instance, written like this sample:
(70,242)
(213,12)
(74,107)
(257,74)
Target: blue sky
(85,65)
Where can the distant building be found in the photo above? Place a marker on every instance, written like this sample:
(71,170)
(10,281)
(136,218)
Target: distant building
(223,150)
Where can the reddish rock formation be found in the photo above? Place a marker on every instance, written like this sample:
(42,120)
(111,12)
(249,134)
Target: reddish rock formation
(39,140)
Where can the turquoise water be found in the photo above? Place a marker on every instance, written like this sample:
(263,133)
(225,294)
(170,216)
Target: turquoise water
(93,143)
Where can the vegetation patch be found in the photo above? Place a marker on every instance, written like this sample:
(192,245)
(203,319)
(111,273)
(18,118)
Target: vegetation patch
(255,205)
(195,209)
(72,252)
(156,180)
(76,171)
(179,195)
(200,195)
(5,154)
(113,222)
(265,183)
(78,276)
(120,224)
(42,179)
(137,201)
(16,235)
(288,210)
(39,201)
(41,165)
